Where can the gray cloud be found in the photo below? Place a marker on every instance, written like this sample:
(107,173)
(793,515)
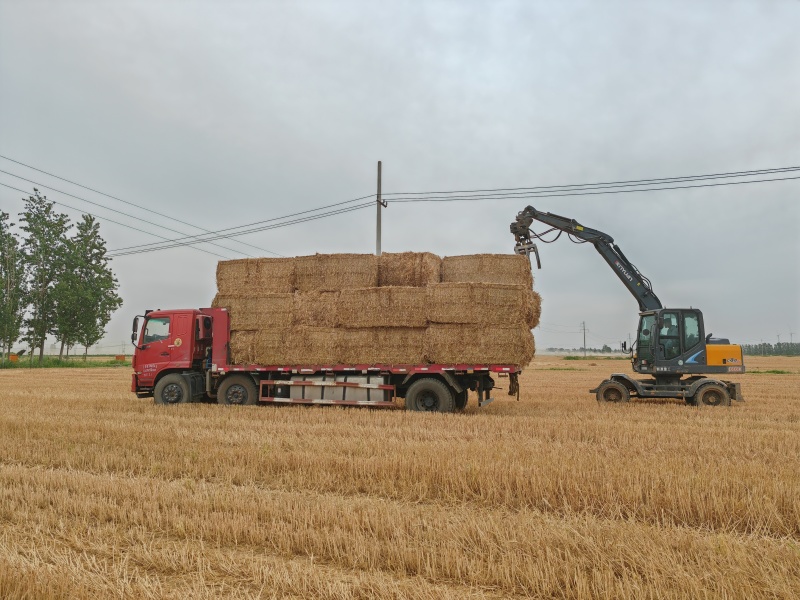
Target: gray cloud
(222,114)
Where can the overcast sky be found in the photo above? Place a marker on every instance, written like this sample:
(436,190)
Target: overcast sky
(220,114)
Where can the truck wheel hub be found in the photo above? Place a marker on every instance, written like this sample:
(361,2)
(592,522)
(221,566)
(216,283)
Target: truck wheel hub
(172,393)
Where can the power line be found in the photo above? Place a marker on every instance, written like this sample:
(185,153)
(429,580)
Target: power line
(593,193)
(180,243)
(201,237)
(624,183)
(112,221)
(128,202)
(112,210)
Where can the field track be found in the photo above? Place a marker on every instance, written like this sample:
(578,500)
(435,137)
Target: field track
(103,495)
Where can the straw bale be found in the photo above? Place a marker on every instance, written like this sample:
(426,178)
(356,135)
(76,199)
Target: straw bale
(487,268)
(335,271)
(415,269)
(389,345)
(257,312)
(243,347)
(495,344)
(316,309)
(383,307)
(305,345)
(478,303)
(533,308)
(256,276)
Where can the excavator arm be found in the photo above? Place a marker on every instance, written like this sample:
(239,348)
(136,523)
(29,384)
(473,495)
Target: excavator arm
(637,284)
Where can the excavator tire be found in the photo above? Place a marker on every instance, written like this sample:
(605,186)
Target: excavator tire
(612,391)
(712,394)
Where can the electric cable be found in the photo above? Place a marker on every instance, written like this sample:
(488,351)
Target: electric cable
(86,187)
(624,183)
(583,193)
(180,243)
(111,220)
(231,229)
(113,210)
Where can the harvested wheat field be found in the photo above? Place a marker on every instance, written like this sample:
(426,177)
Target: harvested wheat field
(103,495)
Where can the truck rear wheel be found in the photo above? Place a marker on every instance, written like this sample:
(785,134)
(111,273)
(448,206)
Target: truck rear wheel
(171,389)
(612,391)
(430,395)
(237,389)
(713,394)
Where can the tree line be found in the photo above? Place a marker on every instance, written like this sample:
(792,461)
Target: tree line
(766,349)
(55,280)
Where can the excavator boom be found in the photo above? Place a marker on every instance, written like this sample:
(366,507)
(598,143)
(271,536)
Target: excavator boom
(637,284)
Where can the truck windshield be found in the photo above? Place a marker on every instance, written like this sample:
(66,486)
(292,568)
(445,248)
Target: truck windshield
(156,329)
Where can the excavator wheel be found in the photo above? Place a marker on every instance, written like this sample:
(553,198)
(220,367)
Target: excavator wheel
(612,391)
(712,394)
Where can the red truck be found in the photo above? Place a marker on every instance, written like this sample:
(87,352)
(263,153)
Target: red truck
(184,355)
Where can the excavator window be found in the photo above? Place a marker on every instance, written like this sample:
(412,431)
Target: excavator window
(668,335)
(645,341)
(691,330)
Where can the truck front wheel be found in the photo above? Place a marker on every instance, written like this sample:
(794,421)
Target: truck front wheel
(237,389)
(171,389)
(430,395)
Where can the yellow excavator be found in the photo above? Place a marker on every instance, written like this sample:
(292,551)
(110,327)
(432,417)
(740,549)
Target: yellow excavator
(671,344)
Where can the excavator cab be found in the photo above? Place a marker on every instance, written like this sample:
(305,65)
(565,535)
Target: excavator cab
(673,341)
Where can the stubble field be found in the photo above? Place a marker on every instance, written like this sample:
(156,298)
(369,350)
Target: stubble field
(104,495)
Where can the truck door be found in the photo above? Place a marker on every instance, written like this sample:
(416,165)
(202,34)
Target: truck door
(155,352)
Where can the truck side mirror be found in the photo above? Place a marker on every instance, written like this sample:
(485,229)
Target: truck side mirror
(624,346)
(134,329)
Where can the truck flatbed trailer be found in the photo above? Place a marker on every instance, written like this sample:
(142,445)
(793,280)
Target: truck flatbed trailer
(184,355)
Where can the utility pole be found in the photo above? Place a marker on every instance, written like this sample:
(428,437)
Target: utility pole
(380,204)
(583,326)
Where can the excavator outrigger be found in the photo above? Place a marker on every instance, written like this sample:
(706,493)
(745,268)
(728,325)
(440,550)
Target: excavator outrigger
(671,344)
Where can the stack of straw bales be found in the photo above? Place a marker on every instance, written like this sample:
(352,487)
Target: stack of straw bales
(405,308)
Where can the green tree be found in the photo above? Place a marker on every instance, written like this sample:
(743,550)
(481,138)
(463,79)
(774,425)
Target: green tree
(90,295)
(44,251)
(12,286)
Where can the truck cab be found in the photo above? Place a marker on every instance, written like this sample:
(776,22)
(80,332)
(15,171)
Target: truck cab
(168,341)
